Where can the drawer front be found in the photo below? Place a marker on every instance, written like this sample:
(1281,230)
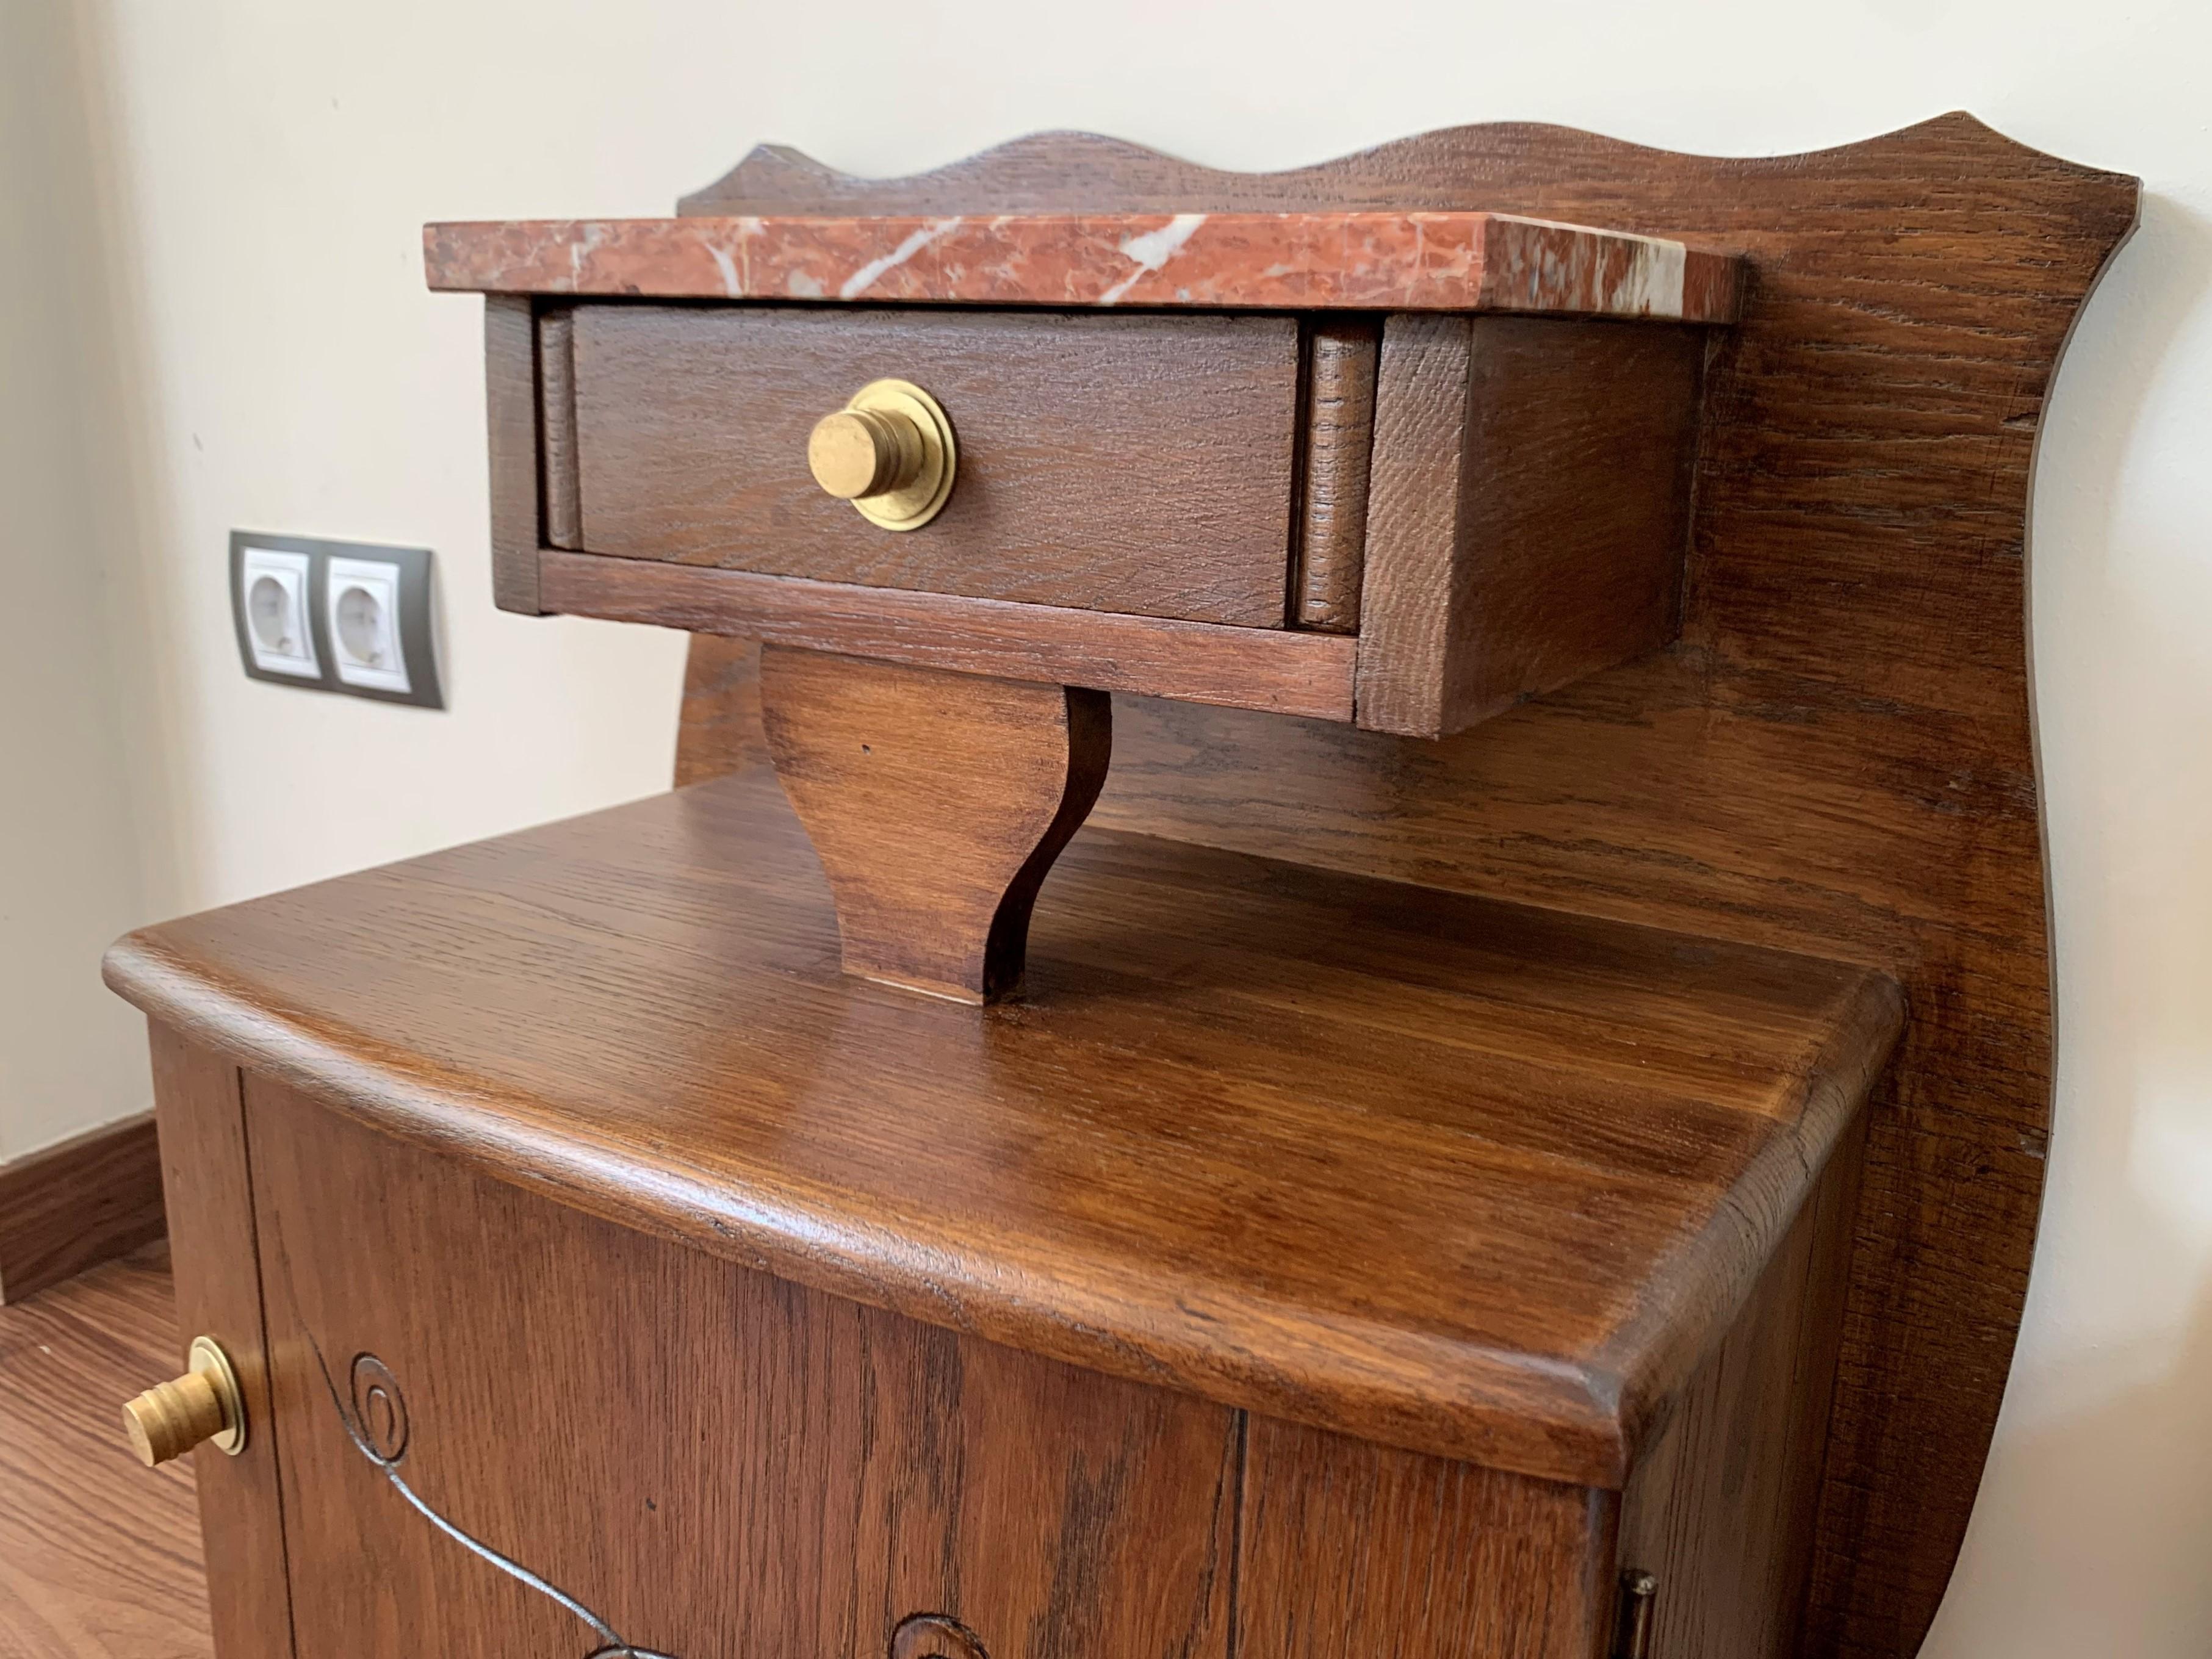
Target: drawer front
(1141,463)
(508,1428)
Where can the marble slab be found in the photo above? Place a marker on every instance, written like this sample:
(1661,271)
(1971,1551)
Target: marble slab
(1274,261)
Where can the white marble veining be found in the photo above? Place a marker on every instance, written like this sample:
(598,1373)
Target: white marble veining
(1151,250)
(867,275)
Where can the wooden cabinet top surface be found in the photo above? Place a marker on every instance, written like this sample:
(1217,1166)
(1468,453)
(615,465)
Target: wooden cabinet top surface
(1457,1175)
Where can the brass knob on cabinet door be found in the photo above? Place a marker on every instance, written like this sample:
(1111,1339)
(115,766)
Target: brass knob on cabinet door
(890,451)
(204,1404)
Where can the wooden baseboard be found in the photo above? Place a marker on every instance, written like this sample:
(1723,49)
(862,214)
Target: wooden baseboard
(75,1206)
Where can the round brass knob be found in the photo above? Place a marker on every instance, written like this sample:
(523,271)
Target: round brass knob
(890,451)
(204,1404)
(864,452)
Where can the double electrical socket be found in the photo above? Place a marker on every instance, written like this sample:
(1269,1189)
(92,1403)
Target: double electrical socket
(336,616)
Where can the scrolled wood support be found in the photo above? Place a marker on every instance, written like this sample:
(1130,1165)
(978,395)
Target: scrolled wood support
(937,803)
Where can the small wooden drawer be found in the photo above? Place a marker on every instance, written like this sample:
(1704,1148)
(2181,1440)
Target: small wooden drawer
(1138,463)
(1404,469)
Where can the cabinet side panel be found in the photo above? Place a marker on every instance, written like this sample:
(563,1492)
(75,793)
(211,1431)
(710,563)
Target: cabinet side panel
(512,1428)
(1722,1509)
(1351,1549)
(208,1189)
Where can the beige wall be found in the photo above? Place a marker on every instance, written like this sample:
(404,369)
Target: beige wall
(261,352)
(70,869)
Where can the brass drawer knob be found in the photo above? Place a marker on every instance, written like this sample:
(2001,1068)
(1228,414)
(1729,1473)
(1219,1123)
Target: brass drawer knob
(204,1404)
(864,452)
(890,451)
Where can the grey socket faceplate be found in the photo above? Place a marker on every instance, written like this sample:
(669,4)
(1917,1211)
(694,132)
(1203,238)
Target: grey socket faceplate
(416,642)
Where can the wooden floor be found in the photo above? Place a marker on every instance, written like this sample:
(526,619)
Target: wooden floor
(98,1556)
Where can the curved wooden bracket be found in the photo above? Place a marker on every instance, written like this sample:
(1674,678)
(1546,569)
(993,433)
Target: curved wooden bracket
(937,803)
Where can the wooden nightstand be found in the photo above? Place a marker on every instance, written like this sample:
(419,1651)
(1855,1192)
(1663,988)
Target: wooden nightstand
(1516,1129)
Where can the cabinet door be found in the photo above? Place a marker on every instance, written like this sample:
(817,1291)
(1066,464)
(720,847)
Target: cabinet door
(507,1428)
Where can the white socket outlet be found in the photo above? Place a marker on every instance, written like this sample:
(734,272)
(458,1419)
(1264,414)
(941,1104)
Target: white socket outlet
(362,622)
(274,586)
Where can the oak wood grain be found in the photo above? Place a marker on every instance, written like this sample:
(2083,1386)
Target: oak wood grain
(206,1173)
(1722,1508)
(1277,669)
(1416,511)
(936,803)
(66,1208)
(1132,463)
(706,1461)
(719,729)
(1350,1548)
(511,414)
(1353,1549)
(1466,1177)
(1340,432)
(99,1559)
(1567,538)
(1839,757)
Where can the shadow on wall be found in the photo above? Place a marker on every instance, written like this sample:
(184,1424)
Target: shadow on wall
(2088,1536)
(87,834)
(130,510)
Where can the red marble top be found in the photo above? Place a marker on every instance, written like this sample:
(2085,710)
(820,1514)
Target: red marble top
(1277,261)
